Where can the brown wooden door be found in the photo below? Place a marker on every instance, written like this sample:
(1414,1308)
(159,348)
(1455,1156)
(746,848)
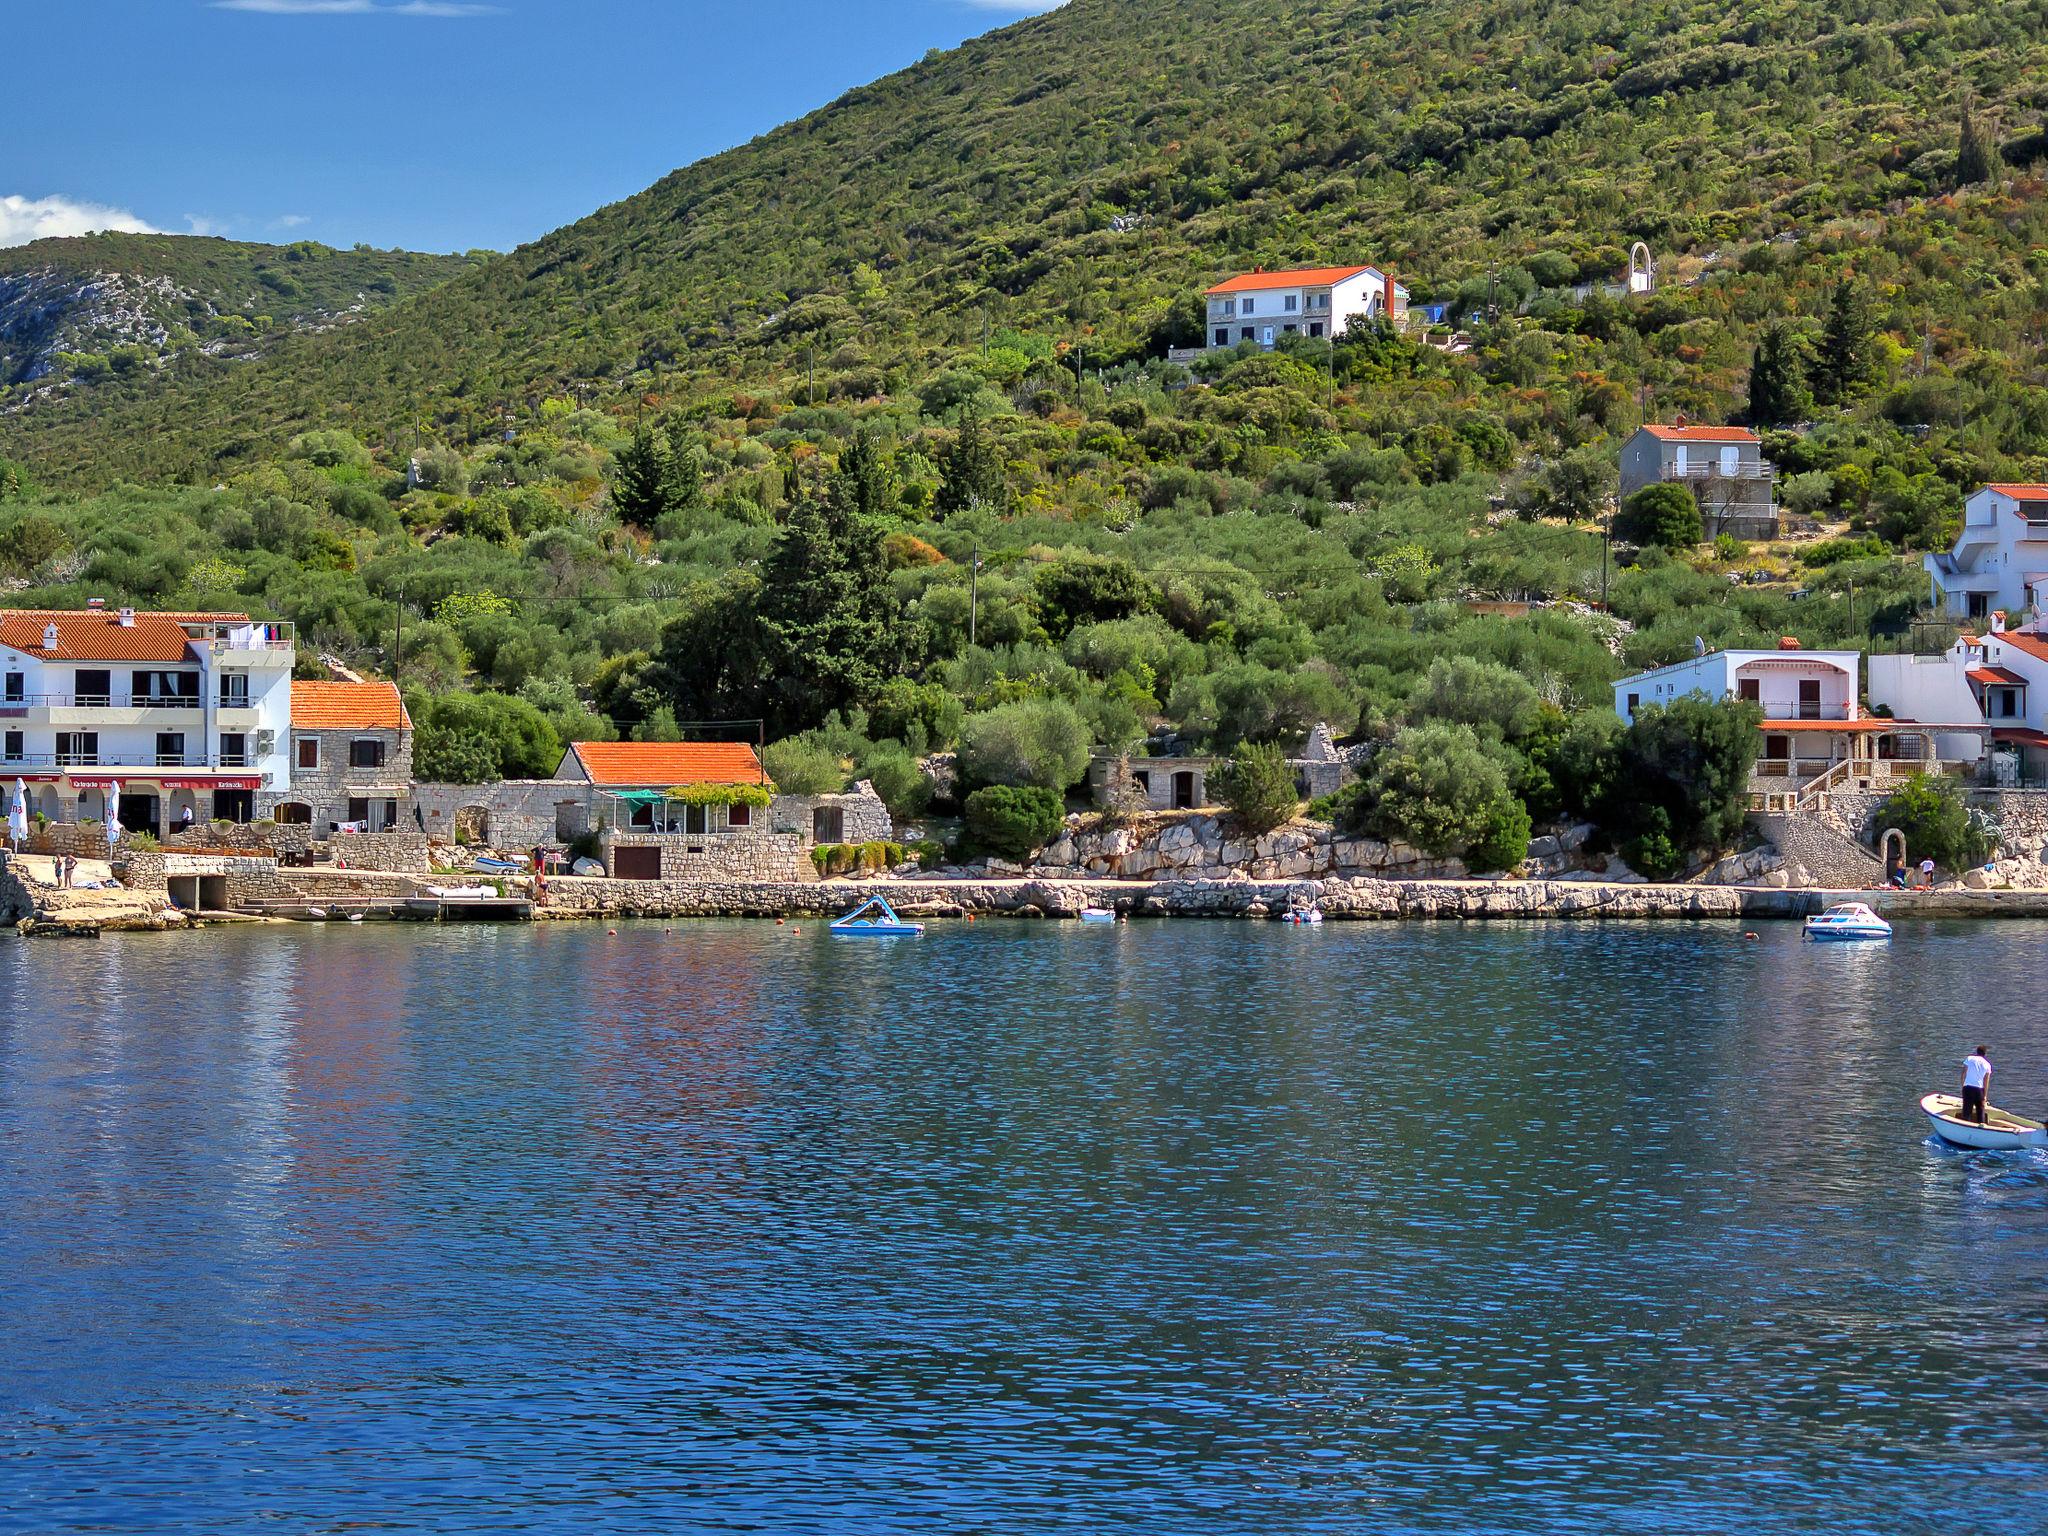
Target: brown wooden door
(636,863)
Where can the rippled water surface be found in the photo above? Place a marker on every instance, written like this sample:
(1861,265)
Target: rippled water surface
(1173,1227)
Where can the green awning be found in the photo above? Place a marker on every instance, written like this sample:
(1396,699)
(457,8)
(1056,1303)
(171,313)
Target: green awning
(639,796)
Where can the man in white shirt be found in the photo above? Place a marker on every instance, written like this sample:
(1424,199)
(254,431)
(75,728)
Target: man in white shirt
(1976,1086)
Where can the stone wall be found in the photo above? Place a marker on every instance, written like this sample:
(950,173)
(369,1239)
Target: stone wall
(320,886)
(253,837)
(515,813)
(725,856)
(252,880)
(1197,845)
(864,818)
(140,869)
(1817,852)
(403,853)
(2021,816)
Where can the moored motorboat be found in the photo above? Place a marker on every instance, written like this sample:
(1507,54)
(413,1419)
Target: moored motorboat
(876,919)
(1302,915)
(1848,920)
(2001,1131)
(1097,915)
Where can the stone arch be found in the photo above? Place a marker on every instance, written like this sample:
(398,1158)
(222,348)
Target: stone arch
(292,813)
(46,802)
(1642,271)
(1884,848)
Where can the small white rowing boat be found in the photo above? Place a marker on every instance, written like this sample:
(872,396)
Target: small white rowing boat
(2001,1131)
(1302,915)
(1848,920)
(1097,915)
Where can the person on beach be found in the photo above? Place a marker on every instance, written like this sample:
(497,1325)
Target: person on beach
(1976,1086)
(1927,873)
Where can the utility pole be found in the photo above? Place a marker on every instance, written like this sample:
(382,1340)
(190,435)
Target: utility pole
(811,374)
(398,638)
(1606,548)
(974,593)
(984,330)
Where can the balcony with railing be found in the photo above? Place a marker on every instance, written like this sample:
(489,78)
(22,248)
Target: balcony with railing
(1717,469)
(129,761)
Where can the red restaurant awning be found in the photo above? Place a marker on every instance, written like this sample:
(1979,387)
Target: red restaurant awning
(256,783)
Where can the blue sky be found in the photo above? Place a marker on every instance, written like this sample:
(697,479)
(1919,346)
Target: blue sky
(430,124)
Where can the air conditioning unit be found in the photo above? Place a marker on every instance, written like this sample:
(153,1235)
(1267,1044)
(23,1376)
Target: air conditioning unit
(266,743)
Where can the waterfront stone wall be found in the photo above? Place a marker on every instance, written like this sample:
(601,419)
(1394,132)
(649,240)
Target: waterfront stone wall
(140,869)
(2022,819)
(773,856)
(317,887)
(1340,900)
(251,837)
(403,853)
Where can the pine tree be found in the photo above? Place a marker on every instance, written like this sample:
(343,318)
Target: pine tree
(866,476)
(1777,378)
(1977,158)
(642,476)
(831,630)
(1845,362)
(970,471)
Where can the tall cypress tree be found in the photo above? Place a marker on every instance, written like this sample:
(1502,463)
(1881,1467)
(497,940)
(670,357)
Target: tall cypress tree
(1846,361)
(1977,157)
(1777,378)
(642,476)
(970,471)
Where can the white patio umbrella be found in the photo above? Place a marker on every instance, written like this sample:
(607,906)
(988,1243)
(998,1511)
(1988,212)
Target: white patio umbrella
(113,830)
(17,813)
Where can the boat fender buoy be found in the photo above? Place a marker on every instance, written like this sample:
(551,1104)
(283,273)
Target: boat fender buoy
(611,933)
(778,922)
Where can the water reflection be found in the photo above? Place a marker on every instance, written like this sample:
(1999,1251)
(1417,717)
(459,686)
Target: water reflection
(1156,1227)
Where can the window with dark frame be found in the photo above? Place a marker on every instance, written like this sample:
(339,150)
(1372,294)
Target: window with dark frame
(366,753)
(308,753)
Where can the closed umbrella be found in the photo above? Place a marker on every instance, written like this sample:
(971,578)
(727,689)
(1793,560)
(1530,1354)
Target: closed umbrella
(113,830)
(17,813)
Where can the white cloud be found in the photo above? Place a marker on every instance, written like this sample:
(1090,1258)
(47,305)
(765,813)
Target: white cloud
(23,219)
(356,7)
(200,224)
(292,220)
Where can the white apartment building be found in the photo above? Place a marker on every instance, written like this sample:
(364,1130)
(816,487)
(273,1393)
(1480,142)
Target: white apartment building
(1262,307)
(1993,691)
(145,715)
(2000,558)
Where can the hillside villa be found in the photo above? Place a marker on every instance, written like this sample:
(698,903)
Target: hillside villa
(147,715)
(1262,306)
(1723,467)
(2000,557)
(1815,733)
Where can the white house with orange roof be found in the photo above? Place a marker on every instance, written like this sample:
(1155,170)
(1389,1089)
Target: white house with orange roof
(1261,306)
(1998,681)
(1815,733)
(148,715)
(1723,467)
(2000,557)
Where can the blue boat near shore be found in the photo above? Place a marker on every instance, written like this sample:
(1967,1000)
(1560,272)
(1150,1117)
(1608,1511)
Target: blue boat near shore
(876,919)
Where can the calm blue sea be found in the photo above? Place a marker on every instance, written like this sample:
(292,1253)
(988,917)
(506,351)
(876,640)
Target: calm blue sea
(1174,1227)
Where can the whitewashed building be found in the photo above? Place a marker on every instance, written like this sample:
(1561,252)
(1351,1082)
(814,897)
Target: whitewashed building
(2000,558)
(1988,694)
(146,715)
(1262,306)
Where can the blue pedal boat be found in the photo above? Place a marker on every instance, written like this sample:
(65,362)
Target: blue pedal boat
(876,919)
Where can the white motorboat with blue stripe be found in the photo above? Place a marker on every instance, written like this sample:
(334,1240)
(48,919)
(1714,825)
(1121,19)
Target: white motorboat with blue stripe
(1848,921)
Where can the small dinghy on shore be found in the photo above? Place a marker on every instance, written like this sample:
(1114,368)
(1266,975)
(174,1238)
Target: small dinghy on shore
(1847,921)
(2001,1131)
(1302,915)
(876,919)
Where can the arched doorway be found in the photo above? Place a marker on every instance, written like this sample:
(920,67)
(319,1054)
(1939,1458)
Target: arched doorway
(1642,272)
(92,804)
(1894,861)
(292,813)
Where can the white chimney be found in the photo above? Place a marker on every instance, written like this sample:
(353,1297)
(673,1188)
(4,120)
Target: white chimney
(49,637)
(1998,622)
(127,618)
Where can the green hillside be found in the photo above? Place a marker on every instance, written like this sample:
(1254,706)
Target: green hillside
(106,306)
(641,471)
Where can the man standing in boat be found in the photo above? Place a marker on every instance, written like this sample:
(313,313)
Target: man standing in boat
(1976,1086)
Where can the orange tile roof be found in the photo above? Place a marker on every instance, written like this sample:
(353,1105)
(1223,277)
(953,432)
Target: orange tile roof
(1298,277)
(1862,724)
(2030,641)
(659,764)
(2003,676)
(2019,736)
(2021,492)
(1702,434)
(95,635)
(323,706)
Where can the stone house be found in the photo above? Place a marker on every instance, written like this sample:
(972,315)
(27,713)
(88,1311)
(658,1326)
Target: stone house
(1182,783)
(351,756)
(1723,467)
